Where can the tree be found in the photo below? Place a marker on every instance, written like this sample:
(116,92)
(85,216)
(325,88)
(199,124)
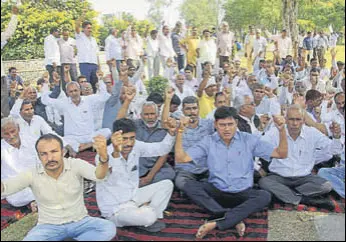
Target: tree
(200,13)
(290,18)
(36,18)
(155,12)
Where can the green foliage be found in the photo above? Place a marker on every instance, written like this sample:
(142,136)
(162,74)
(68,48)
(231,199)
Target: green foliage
(200,13)
(155,12)
(36,18)
(158,84)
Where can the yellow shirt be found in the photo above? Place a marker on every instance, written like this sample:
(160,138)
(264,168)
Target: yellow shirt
(191,44)
(59,200)
(206,105)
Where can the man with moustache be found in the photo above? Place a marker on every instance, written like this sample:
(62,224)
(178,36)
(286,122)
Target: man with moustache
(119,197)
(149,129)
(56,185)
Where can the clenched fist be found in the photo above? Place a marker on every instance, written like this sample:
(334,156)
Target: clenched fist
(100,145)
(117,141)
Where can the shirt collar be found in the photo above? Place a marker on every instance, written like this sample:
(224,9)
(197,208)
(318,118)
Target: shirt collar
(218,138)
(302,133)
(67,166)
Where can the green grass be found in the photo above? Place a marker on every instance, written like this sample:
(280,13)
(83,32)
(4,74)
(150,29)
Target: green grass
(18,230)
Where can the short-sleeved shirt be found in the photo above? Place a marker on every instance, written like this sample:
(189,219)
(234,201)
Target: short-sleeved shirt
(206,105)
(231,168)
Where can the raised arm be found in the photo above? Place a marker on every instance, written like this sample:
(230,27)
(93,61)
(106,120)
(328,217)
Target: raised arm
(203,84)
(130,93)
(281,151)
(180,155)
(12,25)
(168,98)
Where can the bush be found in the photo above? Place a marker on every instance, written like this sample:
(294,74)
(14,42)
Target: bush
(158,84)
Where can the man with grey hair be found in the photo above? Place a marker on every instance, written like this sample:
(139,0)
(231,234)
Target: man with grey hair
(290,180)
(17,155)
(149,129)
(224,42)
(79,128)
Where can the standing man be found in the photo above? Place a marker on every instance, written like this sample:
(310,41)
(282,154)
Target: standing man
(134,44)
(153,54)
(52,53)
(190,44)
(176,41)
(224,42)
(259,49)
(333,40)
(284,45)
(113,49)
(206,50)
(249,45)
(68,51)
(322,46)
(5,36)
(87,52)
(308,46)
(165,46)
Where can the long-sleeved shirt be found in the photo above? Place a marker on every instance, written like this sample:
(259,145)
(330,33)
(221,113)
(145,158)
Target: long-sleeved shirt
(51,51)
(269,105)
(207,51)
(113,48)
(67,51)
(259,46)
(152,47)
(87,49)
(308,43)
(166,46)
(322,42)
(176,40)
(11,28)
(134,45)
(225,43)
(301,152)
(284,46)
(61,200)
(333,40)
(78,119)
(122,182)
(231,168)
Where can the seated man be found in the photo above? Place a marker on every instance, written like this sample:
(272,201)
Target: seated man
(229,154)
(265,100)
(118,197)
(79,126)
(220,100)
(14,77)
(290,180)
(56,185)
(149,129)
(17,155)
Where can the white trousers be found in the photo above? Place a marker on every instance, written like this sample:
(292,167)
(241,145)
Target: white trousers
(21,198)
(153,66)
(75,141)
(134,214)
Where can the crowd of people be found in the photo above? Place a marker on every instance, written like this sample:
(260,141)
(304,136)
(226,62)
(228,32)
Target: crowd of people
(231,139)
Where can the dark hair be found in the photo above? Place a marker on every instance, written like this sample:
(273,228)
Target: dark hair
(205,31)
(86,23)
(190,100)
(81,77)
(156,98)
(284,30)
(189,68)
(54,29)
(49,137)
(124,124)
(175,100)
(312,95)
(309,32)
(12,68)
(315,70)
(25,102)
(263,61)
(153,32)
(218,95)
(225,112)
(65,30)
(338,94)
(313,59)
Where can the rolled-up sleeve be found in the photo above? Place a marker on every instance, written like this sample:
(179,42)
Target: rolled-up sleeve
(200,151)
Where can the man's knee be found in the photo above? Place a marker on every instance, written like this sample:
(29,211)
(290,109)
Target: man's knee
(265,183)
(326,187)
(264,197)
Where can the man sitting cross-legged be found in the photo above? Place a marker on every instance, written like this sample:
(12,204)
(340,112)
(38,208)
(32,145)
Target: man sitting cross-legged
(57,186)
(118,197)
(229,154)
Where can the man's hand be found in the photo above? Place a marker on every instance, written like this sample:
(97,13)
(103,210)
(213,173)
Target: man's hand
(299,100)
(269,92)
(145,181)
(279,122)
(100,145)
(184,122)
(264,122)
(130,93)
(56,79)
(171,125)
(66,68)
(117,141)
(169,93)
(99,74)
(335,128)
(54,65)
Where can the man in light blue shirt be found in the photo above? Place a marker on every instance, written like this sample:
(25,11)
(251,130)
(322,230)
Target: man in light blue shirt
(229,155)
(290,180)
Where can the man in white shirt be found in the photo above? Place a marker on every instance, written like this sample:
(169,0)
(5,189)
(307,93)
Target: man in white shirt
(52,53)
(79,128)
(290,179)
(259,48)
(249,45)
(17,155)
(165,46)
(87,52)
(134,45)
(333,40)
(68,51)
(113,49)
(283,44)
(153,54)
(182,90)
(206,50)
(265,105)
(118,197)
(322,46)
(224,42)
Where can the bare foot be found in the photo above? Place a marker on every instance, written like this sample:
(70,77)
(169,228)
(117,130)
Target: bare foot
(33,206)
(205,229)
(241,228)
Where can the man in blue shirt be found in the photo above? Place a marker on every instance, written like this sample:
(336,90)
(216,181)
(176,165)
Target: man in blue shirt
(229,154)
(308,46)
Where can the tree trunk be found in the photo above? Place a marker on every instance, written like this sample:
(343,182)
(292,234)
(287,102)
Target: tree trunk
(290,19)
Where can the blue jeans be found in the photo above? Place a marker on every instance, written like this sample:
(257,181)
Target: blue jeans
(89,70)
(336,176)
(87,229)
